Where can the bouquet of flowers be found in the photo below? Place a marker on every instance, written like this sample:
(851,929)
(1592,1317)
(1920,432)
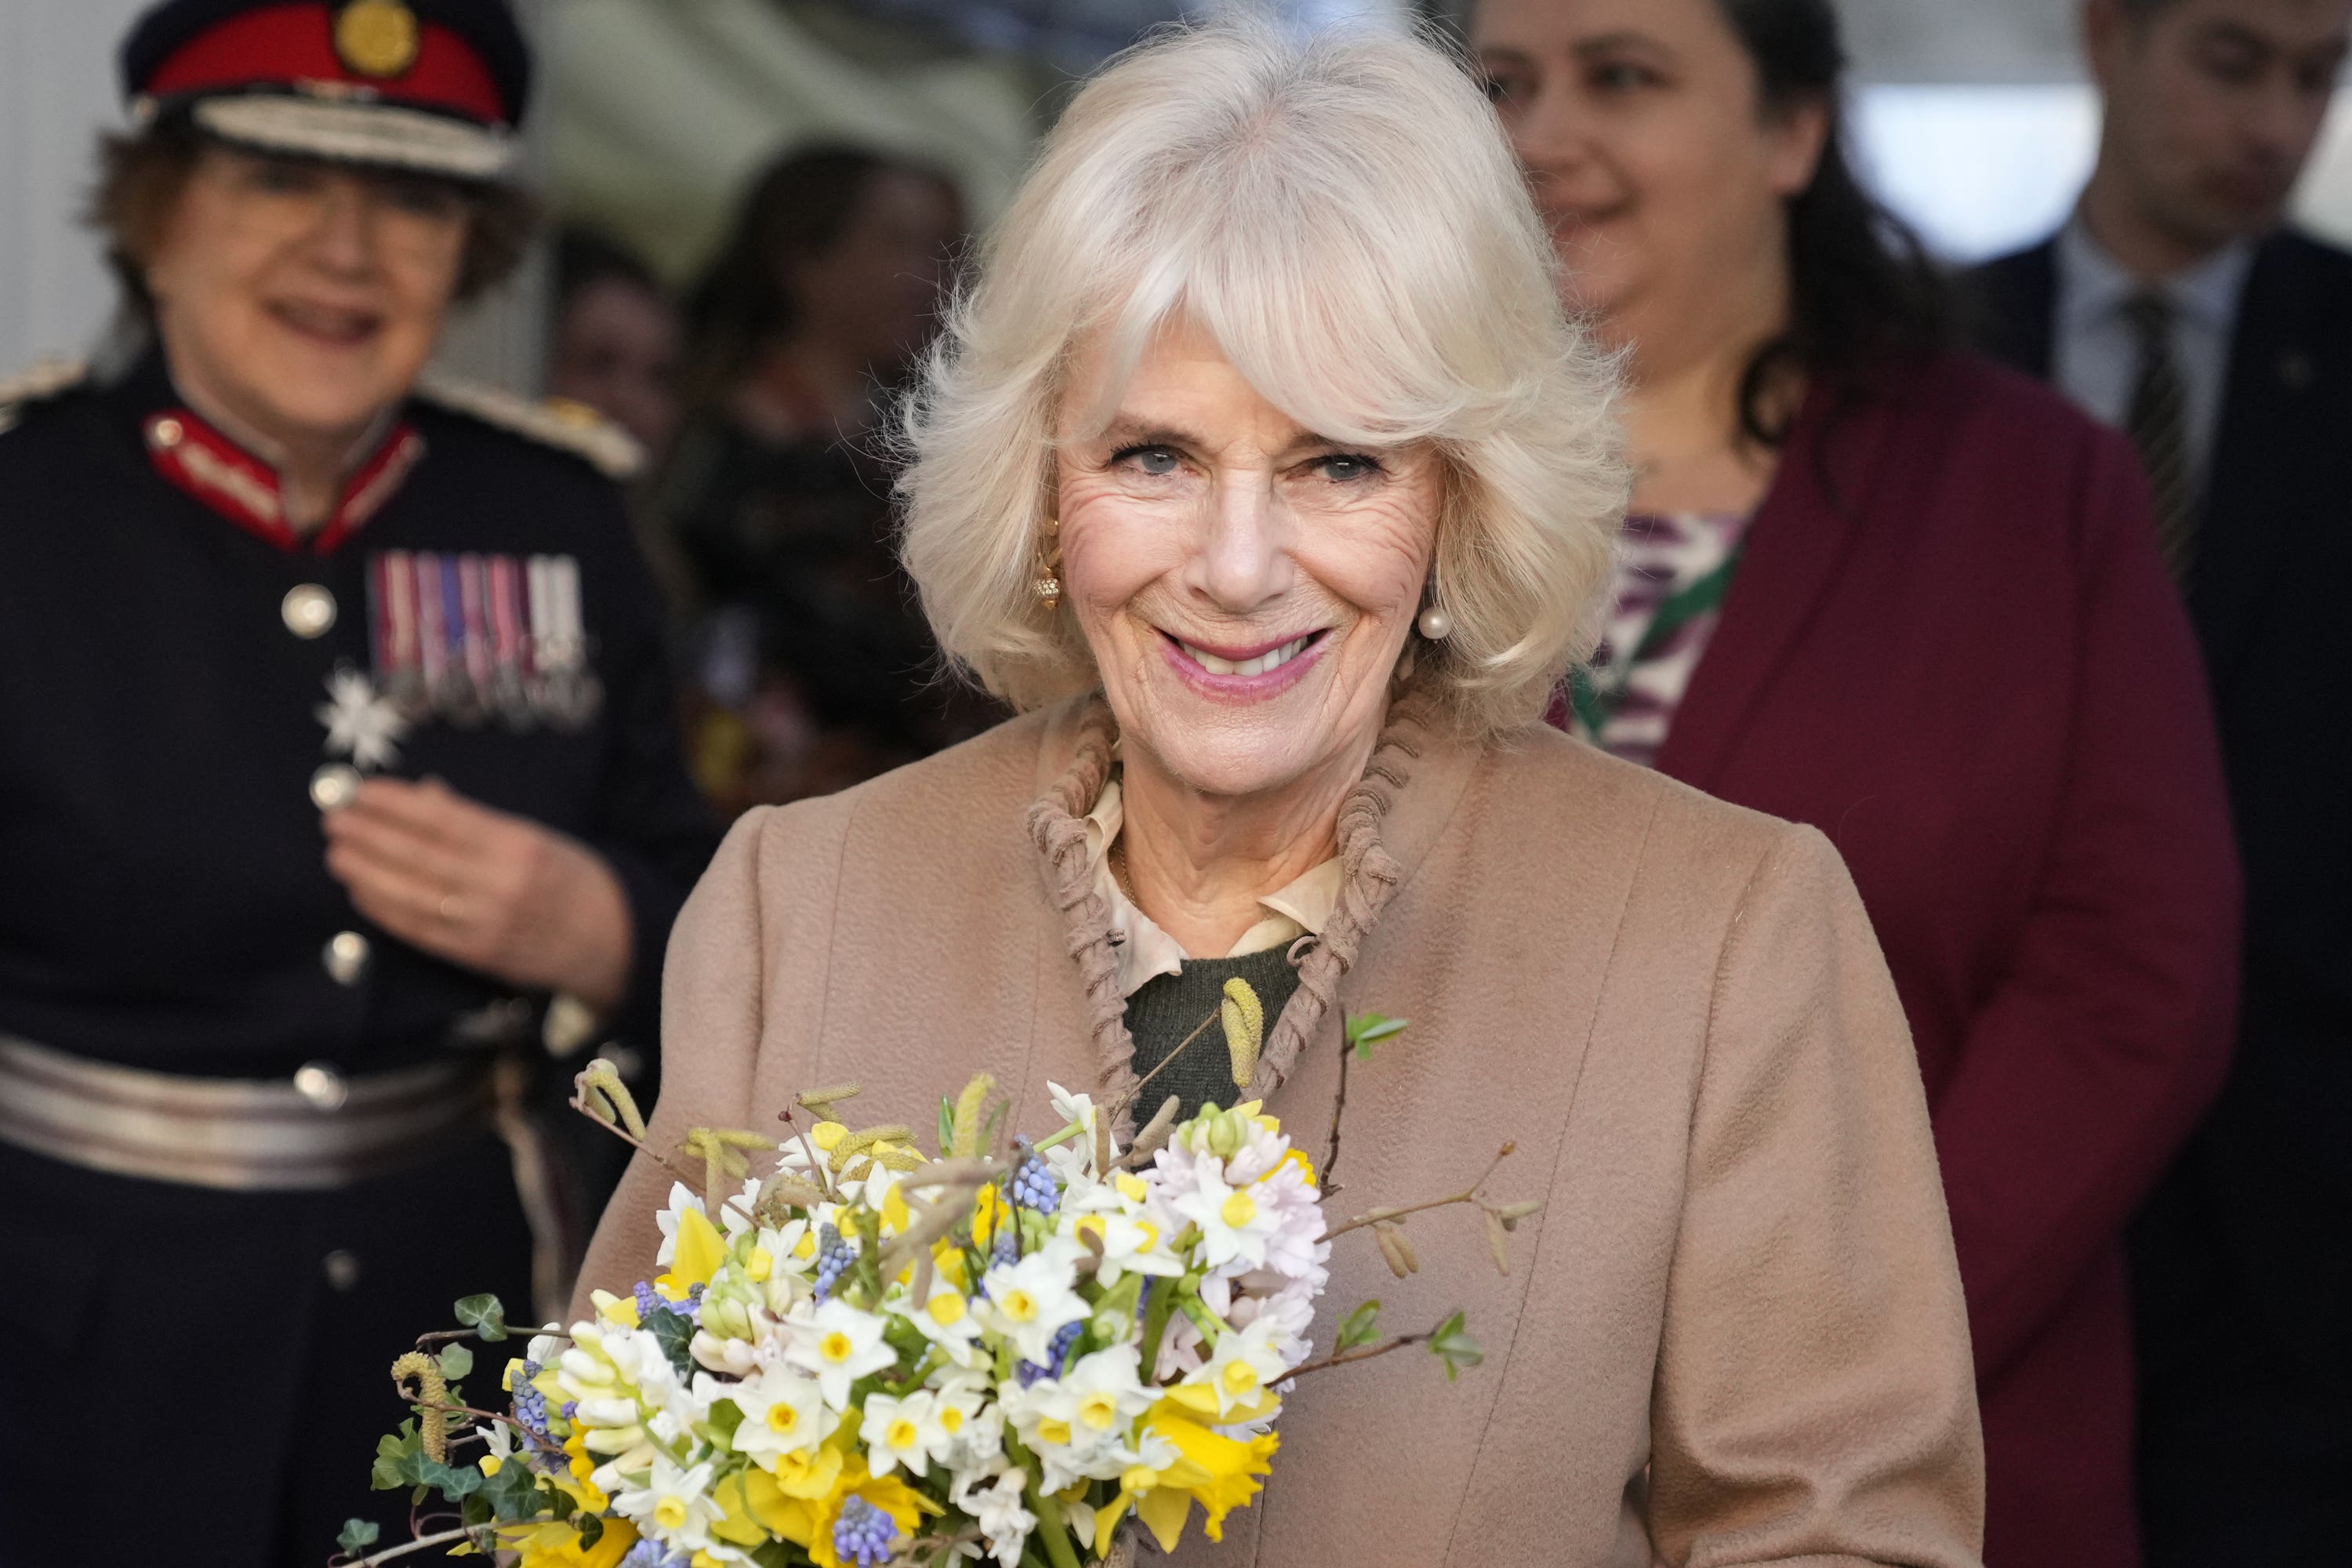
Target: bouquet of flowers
(860,1353)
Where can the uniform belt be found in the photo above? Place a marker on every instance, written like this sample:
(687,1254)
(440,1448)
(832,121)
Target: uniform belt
(249,1135)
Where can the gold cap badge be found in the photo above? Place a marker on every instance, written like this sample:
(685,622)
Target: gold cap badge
(376,38)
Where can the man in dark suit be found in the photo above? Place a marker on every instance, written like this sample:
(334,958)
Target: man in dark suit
(2177,305)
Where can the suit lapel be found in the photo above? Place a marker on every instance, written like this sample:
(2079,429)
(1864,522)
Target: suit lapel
(2273,420)
(1796,549)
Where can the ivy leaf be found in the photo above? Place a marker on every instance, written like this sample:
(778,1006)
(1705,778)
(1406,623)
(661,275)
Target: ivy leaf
(673,1334)
(592,1529)
(358,1535)
(455,1483)
(1360,1327)
(1453,1346)
(457,1360)
(485,1315)
(514,1493)
(398,1459)
(1367,1029)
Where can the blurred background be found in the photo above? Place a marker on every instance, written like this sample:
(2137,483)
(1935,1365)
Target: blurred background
(1974,119)
(723,174)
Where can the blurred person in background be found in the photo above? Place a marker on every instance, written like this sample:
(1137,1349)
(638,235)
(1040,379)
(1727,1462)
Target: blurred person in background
(339,783)
(614,347)
(1879,586)
(816,665)
(2177,305)
(613,340)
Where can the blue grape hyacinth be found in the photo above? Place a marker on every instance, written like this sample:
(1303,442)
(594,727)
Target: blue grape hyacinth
(834,1257)
(1034,1187)
(863,1534)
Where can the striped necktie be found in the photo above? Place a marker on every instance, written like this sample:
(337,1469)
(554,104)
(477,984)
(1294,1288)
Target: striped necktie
(2157,424)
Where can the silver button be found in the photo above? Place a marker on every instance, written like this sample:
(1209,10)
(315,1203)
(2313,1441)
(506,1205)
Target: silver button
(334,787)
(308,609)
(346,957)
(321,1085)
(342,1268)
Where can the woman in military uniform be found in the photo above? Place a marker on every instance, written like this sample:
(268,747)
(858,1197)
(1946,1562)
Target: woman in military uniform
(337,776)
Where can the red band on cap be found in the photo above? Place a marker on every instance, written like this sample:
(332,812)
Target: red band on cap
(290,44)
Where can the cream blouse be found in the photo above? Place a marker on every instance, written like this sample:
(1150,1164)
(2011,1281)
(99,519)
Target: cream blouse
(1142,951)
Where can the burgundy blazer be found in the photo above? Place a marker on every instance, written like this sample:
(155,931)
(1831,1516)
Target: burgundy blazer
(1951,648)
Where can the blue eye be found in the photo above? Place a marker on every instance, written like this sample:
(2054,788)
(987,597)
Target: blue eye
(1349,466)
(1156,461)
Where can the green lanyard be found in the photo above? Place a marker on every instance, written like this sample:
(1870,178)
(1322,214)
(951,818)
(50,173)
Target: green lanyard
(1595,705)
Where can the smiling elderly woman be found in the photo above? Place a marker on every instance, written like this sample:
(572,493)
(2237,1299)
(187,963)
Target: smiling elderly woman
(1260,466)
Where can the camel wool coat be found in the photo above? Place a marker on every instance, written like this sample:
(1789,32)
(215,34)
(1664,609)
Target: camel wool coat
(1734,1335)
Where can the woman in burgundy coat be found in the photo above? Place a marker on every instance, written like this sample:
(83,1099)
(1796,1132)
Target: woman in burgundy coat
(1883,588)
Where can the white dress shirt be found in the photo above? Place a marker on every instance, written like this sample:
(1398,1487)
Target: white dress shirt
(1143,951)
(2094,357)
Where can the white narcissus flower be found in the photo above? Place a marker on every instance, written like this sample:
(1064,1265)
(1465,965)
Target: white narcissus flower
(996,1509)
(1235,1226)
(902,1431)
(1028,1302)
(1244,1364)
(1132,1241)
(1074,1159)
(1105,1393)
(838,1344)
(783,1413)
(681,1198)
(673,1505)
(975,1423)
(1077,1426)
(735,1214)
(945,1318)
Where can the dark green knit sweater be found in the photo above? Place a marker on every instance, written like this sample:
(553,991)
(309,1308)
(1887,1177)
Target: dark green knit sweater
(1167,1007)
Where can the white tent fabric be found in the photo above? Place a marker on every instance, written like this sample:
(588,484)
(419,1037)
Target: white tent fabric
(658,113)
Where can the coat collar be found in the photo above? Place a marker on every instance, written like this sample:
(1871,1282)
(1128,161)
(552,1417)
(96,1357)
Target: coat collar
(230,480)
(1387,823)
(1829,474)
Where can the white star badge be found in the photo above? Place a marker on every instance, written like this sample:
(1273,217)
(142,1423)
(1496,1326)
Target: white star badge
(360,724)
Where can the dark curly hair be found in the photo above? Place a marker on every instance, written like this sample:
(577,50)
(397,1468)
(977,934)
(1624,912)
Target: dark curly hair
(1864,292)
(796,209)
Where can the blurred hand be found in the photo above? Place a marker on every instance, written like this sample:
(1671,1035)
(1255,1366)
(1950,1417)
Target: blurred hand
(480,888)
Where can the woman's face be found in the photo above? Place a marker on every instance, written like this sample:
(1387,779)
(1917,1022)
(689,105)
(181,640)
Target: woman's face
(1246,586)
(303,300)
(1651,157)
(877,290)
(614,348)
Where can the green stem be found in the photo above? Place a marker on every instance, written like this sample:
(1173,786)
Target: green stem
(1053,1527)
(1064,1136)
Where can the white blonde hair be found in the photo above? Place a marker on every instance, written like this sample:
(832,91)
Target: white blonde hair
(1344,215)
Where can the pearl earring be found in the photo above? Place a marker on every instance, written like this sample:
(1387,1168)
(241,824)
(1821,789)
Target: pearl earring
(1436,624)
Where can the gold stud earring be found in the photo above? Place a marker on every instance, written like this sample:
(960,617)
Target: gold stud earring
(1049,585)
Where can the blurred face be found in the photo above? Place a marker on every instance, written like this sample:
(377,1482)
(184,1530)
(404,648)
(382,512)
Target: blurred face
(2213,106)
(1246,586)
(877,290)
(1651,156)
(615,350)
(300,299)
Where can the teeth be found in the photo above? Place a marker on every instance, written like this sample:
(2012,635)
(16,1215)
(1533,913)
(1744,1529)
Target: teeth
(1273,659)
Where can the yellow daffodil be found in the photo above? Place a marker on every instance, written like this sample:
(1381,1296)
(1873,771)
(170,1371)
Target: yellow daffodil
(557,1545)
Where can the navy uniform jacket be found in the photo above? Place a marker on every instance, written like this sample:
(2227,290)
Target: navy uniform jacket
(2241,1271)
(164,902)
